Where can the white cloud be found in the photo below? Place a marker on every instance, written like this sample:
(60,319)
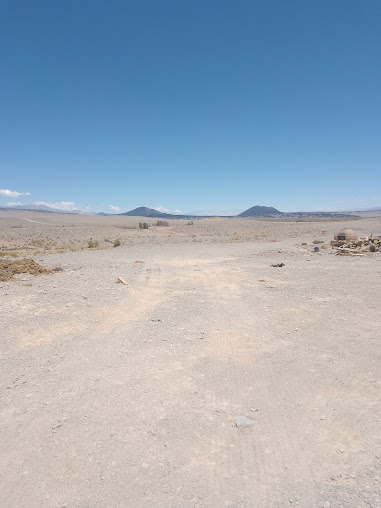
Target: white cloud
(162,209)
(14,203)
(59,205)
(13,194)
(167,210)
(114,208)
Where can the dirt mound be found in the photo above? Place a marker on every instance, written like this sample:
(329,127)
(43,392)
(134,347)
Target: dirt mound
(9,268)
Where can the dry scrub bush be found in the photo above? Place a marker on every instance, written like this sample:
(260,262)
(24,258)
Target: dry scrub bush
(92,244)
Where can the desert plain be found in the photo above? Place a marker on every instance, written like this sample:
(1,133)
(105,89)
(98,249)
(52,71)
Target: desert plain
(211,379)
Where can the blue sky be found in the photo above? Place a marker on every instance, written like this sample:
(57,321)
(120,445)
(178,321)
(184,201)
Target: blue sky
(191,105)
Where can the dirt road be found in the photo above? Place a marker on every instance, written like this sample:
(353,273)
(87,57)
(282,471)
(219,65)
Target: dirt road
(122,396)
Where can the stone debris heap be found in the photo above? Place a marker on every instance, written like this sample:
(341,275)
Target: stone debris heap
(356,246)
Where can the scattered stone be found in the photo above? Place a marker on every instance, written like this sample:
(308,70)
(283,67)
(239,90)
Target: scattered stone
(242,421)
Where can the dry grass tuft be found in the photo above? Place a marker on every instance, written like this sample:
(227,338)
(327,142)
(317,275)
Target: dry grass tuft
(9,253)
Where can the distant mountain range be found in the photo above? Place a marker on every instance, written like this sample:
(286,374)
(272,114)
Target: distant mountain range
(40,208)
(254,211)
(143,211)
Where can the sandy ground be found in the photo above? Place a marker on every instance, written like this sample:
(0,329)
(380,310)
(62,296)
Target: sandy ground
(129,396)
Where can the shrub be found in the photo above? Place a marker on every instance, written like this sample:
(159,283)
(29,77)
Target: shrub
(317,241)
(143,225)
(162,223)
(304,243)
(92,243)
(117,243)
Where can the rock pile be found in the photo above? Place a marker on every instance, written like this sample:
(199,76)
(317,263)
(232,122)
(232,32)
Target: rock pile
(361,245)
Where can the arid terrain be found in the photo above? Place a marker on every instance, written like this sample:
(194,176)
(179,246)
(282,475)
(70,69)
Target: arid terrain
(212,379)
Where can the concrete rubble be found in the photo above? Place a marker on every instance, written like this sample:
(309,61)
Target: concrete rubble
(356,247)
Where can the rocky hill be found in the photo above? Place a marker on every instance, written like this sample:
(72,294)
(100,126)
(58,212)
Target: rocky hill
(143,211)
(260,211)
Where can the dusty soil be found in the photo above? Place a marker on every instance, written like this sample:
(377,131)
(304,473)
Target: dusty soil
(116,396)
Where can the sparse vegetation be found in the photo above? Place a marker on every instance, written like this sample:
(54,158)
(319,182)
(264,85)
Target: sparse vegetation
(10,253)
(117,243)
(127,227)
(92,244)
